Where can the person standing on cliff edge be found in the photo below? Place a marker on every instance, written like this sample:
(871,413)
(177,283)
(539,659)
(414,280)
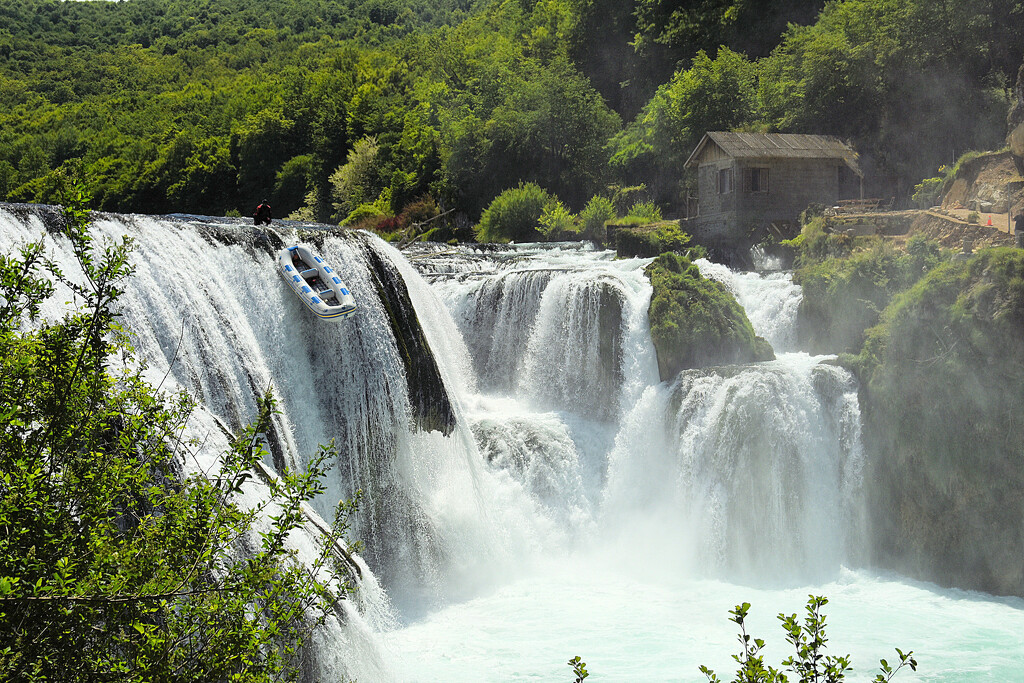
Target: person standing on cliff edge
(1018,223)
(262,214)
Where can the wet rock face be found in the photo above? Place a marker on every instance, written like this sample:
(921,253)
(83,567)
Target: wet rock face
(431,406)
(942,406)
(52,217)
(1016,142)
(983,184)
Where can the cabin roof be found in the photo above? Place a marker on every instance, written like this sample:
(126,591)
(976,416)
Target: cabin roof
(777,146)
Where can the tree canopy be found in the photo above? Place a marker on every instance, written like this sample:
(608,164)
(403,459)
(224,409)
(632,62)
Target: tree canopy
(208,107)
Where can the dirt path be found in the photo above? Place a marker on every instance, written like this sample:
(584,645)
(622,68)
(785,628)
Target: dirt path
(951,229)
(1000,221)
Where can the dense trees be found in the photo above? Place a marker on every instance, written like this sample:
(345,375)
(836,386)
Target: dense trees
(912,83)
(713,94)
(190,105)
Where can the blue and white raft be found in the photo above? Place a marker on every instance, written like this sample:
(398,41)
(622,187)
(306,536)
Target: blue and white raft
(315,283)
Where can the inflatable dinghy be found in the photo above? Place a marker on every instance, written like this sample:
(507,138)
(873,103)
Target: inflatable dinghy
(315,283)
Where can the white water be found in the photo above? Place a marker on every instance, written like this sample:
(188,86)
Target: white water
(579,506)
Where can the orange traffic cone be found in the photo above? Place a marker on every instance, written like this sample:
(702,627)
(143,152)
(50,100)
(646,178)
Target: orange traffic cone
(989,220)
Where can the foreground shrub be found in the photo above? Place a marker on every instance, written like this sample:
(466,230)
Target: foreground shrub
(116,564)
(814,244)
(808,664)
(592,219)
(418,211)
(647,212)
(364,216)
(556,223)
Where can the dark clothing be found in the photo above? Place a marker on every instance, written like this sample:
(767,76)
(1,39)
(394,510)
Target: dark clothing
(1018,224)
(262,214)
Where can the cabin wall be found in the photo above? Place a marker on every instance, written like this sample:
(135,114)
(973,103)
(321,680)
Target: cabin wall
(716,210)
(792,185)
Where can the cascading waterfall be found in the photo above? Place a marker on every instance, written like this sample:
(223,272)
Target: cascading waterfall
(751,473)
(747,456)
(772,452)
(550,399)
(771,301)
(532,490)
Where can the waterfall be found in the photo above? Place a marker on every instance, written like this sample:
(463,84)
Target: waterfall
(208,312)
(752,473)
(501,410)
(760,466)
(560,345)
(206,316)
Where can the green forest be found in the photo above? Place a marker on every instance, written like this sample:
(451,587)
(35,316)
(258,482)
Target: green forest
(366,112)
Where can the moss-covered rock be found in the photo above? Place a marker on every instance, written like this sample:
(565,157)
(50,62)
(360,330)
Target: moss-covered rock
(696,321)
(942,380)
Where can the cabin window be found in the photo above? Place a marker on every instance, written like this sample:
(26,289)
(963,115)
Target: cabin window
(756,180)
(725,181)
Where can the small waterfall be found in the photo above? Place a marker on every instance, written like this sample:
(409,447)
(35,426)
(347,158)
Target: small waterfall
(492,313)
(765,261)
(578,329)
(559,343)
(549,332)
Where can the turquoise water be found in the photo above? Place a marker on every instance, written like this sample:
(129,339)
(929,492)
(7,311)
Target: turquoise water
(627,629)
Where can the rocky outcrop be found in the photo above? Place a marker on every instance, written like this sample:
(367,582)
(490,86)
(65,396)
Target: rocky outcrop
(941,380)
(987,184)
(431,406)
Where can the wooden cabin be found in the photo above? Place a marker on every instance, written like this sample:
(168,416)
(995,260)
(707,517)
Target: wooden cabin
(749,182)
